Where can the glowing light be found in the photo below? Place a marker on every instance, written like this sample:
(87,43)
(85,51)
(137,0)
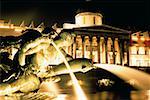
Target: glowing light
(4,27)
(18,29)
(132,82)
(105,82)
(50,87)
(61,97)
(70,83)
(148,94)
(78,90)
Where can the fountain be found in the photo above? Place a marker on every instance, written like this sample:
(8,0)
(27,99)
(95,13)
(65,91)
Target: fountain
(26,50)
(79,92)
(32,71)
(136,78)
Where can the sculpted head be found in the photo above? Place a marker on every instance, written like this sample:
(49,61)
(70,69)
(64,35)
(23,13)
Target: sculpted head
(60,37)
(67,38)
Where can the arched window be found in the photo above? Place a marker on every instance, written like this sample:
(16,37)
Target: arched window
(141,51)
(134,50)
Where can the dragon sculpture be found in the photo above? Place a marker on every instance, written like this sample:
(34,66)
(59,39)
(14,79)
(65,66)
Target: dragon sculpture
(36,60)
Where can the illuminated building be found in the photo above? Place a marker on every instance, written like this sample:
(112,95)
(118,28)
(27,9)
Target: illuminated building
(107,44)
(99,42)
(140,49)
(9,29)
(96,41)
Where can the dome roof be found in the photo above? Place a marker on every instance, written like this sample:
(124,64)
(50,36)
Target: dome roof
(88,10)
(89,13)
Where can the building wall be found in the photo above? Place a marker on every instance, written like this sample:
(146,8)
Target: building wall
(110,50)
(140,49)
(140,56)
(88,19)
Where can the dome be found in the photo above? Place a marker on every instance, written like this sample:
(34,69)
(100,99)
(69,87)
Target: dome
(88,19)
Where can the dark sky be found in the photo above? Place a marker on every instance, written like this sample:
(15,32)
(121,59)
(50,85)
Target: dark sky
(119,13)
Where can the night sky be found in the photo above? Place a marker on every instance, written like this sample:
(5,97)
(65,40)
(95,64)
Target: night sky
(126,14)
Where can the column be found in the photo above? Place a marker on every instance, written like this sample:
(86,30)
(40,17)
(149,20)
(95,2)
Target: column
(90,40)
(113,49)
(124,53)
(117,51)
(102,50)
(121,51)
(83,46)
(106,55)
(98,48)
(128,60)
(69,50)
(87,47)
(74,48)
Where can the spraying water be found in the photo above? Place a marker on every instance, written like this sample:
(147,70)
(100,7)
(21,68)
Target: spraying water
(78,90)
(138,79)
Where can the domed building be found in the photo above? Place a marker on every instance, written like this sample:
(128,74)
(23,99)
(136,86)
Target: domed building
(97,41)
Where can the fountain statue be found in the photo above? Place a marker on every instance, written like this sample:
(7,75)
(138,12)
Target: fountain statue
(35,59)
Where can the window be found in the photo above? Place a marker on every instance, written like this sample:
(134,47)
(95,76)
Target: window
(134,50)
(141,50)
(83,19)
